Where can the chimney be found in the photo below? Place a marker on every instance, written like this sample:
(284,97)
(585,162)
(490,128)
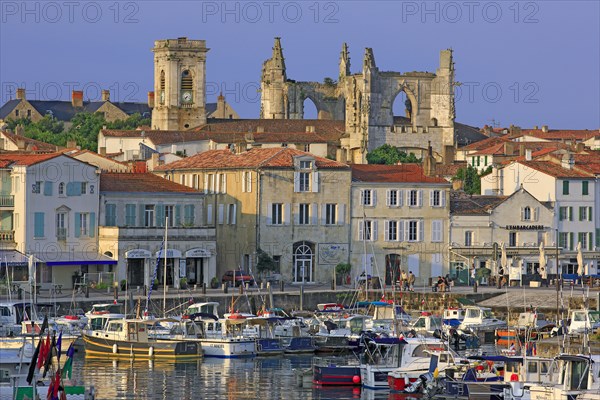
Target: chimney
(521,149)
(71,144)
(21,144)
(173,148)
(220,111)
(151,99)
(21,94)
(77,98)
(102,151)
(310,128)
(535,127)
(527,154)
(429,163)
(544,128)
(154,161)
(579,147)
(19,130)
(567,161)
(105,95)
(509,148)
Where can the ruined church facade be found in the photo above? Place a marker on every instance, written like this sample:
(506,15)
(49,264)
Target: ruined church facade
(365,101)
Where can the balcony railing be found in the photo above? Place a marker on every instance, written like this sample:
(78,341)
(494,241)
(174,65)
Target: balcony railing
(61,233)
(7,200)
(7,236)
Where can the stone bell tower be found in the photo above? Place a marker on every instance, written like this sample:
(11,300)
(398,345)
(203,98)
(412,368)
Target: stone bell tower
(179,84)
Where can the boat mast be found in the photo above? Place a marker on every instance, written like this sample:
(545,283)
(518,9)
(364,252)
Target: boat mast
(165,270)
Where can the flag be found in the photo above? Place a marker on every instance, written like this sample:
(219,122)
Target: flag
(68,367)
(34,359)
(43,352)
(49,355)
(58,346)
(44,325)
(56,386)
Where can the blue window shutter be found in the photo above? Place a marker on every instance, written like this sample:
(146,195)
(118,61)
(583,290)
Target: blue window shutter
(92,224)
(160,215)
(47,188)
(77,188)
(177,215)
(189,214)
(70,189)
(130,214)
(142,214)
(77,225)
(38,230)
(111,215)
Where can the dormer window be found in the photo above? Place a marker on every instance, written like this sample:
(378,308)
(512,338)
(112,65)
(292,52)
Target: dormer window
(306,179)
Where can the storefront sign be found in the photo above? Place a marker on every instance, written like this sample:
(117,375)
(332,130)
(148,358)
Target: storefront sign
(333,253)
(182,268)
(525,227)
(198,253)
(138,253)
(171,253)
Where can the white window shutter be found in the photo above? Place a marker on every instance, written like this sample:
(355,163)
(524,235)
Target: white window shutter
(205,183)
(286,213)
(314,214)
(296,182)
(406,230)
(421,230)
(388,198)
(386,230)
(269,213)
(420,198)
(431,198)
(408,197)
(400,198)
(522,214)
(249,181)
(209,214)
(443,197)
(224,188)
(220,217)
(315,182)
(234,216)
(374,231)
(323,214)
(441,230)
(244,190)
(401,231)
(373,197)
(536,213)
(296,214)
(227,206)
(361,228)
(341,214)
(433,230)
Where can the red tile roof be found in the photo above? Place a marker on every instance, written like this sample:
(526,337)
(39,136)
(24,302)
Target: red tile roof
(485,143)
(157,137)
(412,173)
(280,157)
(30,144)
(559,134)
(8,159)
(141,183)
(554,169)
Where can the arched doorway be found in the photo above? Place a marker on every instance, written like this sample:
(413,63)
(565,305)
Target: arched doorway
(304,255)
(392,268)
(309,109)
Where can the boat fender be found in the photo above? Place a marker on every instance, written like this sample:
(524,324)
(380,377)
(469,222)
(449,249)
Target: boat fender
(151,351)
(115,348)
(356,379)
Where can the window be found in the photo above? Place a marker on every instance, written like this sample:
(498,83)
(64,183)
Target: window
(83,187)
(436,230)
(392,198)
(367,230)
(188,215)
(413,231)
(277,214)
(222,183)
(210,183)
(330,214)
(182,179)
(391,231)
(61,189)
(170,215)
(28,113)
(16,113)
(36,187)
(468,238)
(563,240)
(82,223)
(61,226)
(582,238)
(366,197)
(129,214)
(565,187)
(247,181)
(304,181)
(149,215)
(303,214)
(563,214)
(305,164)
(231,214)
(583,213)
(412,198)
(38,228)
(512,239)
(585,188)
(111,215)
(526,214)
(436,198)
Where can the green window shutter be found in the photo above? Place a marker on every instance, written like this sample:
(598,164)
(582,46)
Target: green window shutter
(189,214)
(584,188)
(590,214)
(111,215)
(565,187)
(142,215)
(590,241)
(92,224)
(571,241)
(598,237)
(581,213)
(38,230)
(130,214)
(48,188)
(160,215)
(177,215)
(77,225)
(570,213)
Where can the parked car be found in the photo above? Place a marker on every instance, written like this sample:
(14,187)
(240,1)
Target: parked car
(236,277)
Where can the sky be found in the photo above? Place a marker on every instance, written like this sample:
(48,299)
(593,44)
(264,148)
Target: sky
(525,63)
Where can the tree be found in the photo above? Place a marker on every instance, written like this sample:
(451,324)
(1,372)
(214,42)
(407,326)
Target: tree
(390,155)
(265,262)
(47,130)
(470,178)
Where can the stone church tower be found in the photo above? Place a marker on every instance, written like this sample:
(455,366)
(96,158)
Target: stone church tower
(179,84)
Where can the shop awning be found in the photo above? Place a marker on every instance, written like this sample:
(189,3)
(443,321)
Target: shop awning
(13,258)
(73,258)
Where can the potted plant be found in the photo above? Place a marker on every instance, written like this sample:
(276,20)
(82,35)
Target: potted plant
(183,283)
(123,284)
(341,272)
(155,284)
(214,282)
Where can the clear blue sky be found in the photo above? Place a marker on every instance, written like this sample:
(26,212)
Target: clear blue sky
(544,56)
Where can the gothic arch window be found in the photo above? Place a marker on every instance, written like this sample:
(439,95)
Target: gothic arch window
(187,86)
(434,122)
(162,87)
(304,265)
